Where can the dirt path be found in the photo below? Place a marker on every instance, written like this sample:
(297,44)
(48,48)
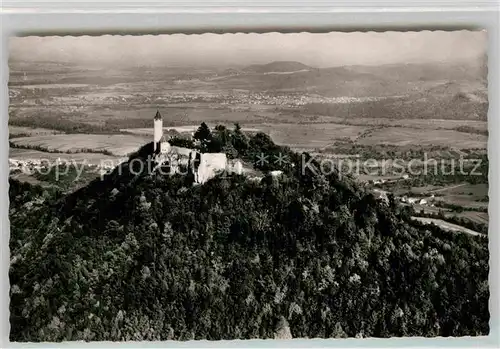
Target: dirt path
(447,188)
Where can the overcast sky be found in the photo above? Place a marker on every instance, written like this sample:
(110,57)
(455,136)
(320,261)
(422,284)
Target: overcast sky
(319,50)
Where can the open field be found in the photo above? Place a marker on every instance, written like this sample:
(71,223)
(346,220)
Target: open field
(419,190)
(446,225)
(465,195)
(88,158)
(474,190)
(310,136)
(28,131)
(26,178)
(478,217)
(403,136)
(474,216)
(431,124)
(122,115)
(119,145)
(463,201)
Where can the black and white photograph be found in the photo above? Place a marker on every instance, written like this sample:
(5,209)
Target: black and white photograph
(248,186)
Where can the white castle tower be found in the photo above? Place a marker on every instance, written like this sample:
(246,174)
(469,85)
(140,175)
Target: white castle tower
(157,131)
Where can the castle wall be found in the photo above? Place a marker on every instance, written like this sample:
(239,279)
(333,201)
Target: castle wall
(204,166)
(235,166)
(165,147)
(181,151)
(210,164)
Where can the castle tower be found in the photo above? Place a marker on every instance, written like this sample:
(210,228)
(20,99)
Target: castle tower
(157,131)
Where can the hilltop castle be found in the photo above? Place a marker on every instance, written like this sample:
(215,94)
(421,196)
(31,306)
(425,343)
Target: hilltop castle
(202,165)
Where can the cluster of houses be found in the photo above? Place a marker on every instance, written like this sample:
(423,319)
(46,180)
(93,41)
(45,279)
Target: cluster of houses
(389,180)
(383,195)
(27,165)
(39,165)
(418,201)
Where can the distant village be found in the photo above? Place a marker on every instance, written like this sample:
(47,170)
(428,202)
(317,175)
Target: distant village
(237,97)
(405,199)
(39,165)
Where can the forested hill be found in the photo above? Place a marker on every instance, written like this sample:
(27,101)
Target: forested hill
(148,257)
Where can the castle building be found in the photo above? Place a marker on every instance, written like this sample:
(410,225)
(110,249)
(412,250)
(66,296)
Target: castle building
(203,166)
(157,130)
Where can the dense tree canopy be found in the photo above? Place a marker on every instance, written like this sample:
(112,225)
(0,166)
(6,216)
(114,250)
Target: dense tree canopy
(151,257)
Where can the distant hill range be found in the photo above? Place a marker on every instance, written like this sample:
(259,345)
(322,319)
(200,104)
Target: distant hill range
(409,71)
(354,80)
(424,90)
(278,67)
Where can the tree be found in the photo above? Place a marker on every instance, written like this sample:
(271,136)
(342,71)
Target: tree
(240,141)
(203,134)
(282,329)
(392,201)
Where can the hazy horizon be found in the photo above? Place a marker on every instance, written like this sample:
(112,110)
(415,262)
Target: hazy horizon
(232,50)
